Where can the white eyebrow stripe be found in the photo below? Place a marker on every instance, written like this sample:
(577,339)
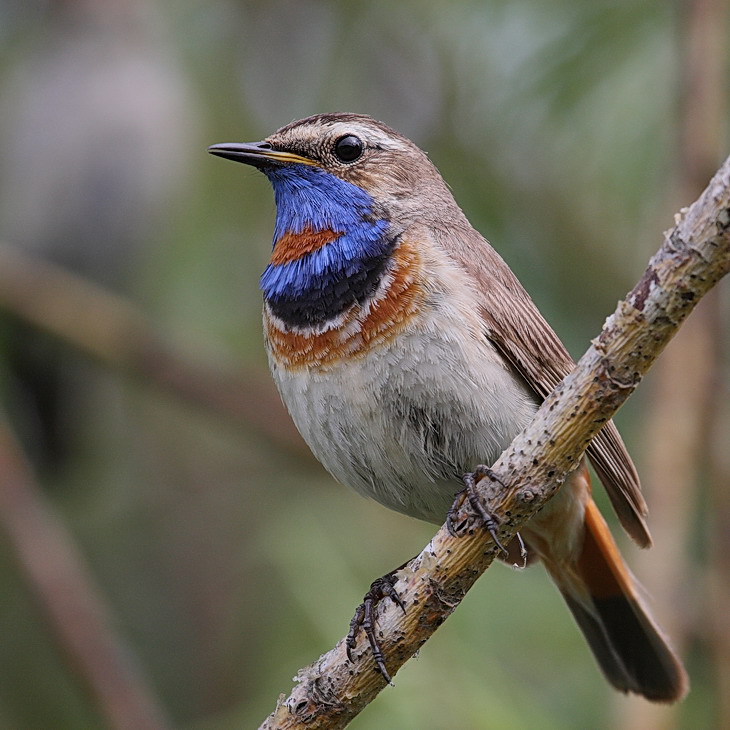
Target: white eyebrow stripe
(368,134)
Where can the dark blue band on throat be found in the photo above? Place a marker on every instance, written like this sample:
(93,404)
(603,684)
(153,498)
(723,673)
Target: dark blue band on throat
(321,285)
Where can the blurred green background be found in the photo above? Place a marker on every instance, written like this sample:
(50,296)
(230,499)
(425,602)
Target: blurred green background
(570,133)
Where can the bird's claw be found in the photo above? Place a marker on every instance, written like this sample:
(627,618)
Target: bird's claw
(364,619)
(469,494)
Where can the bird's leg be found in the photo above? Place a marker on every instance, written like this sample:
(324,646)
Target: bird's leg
(469,494)
(364,618)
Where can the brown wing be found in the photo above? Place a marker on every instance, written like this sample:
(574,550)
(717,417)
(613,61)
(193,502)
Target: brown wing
(517,328)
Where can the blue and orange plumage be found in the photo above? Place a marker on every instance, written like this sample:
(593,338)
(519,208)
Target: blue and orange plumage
(343,246)
(339,282)
(407,353)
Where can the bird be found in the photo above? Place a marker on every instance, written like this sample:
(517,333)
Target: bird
(407,353)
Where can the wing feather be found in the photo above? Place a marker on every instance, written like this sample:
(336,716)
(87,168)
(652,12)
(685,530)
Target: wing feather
(516,327)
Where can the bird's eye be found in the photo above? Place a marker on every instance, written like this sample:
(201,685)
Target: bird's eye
(348,148)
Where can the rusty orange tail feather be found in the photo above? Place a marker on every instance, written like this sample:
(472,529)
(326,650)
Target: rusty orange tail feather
(604,600)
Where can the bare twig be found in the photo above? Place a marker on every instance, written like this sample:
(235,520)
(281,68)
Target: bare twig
(111,330)
(694,256)
(76,613)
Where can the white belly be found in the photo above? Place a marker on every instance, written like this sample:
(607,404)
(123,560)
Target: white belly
(402,422)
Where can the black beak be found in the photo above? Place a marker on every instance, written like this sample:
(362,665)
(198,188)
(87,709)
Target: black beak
(258,154)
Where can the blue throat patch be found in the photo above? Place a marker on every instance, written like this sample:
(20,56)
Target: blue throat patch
(323,283)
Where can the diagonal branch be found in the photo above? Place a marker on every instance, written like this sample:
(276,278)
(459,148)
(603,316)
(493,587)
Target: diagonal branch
(695,255)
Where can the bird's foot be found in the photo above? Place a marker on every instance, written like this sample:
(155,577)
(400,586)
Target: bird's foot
(364,619)
(456,523)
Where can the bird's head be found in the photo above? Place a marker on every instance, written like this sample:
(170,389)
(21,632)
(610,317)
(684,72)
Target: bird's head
(347,187)
(326,163)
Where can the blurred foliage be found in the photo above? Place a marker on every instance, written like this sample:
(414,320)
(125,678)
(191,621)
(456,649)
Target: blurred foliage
(228,566)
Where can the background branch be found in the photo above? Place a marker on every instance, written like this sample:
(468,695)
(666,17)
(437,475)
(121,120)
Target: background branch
(682,413)
(694,256)
(110,329)
(76,613)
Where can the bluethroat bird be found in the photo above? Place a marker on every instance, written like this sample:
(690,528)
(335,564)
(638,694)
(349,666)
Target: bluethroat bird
(407,353)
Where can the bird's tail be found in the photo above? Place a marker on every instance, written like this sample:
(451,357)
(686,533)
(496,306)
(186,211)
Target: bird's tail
(603,597)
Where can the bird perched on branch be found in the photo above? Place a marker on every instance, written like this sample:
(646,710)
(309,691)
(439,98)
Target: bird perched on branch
(407,353)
